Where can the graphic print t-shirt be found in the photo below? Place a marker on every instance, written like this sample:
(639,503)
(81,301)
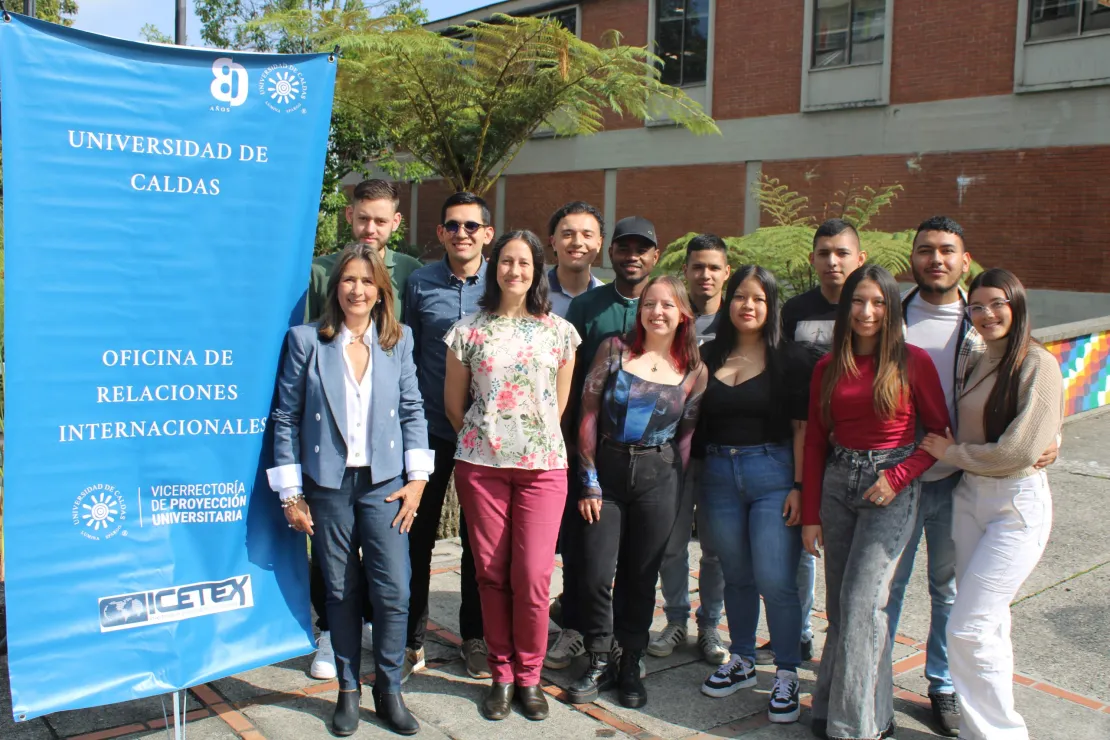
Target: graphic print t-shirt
(808,319)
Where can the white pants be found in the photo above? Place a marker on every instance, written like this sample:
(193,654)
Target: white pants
(1000,528)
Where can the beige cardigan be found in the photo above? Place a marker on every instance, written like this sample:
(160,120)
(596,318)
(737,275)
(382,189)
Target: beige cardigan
(1040,411)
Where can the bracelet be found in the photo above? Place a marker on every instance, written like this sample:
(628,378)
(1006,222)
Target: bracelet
(589,479)
(798,485)
(288,503)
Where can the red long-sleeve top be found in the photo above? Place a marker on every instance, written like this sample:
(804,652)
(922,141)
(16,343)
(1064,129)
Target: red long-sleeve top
(856,426)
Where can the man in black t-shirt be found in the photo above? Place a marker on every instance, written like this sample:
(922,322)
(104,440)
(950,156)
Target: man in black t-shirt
(808,319)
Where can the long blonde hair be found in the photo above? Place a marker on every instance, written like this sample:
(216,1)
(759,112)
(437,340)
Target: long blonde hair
(389,329)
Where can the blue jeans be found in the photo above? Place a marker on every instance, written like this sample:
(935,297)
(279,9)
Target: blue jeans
(344,520)
(675,570)
(934,517)
(743,490)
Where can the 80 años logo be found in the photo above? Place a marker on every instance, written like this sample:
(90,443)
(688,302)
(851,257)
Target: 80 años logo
(99,512)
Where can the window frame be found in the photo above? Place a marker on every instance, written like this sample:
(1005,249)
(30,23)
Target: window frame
(859,85)
(850,33)
(1059,62)
(1079,33)
(653,37)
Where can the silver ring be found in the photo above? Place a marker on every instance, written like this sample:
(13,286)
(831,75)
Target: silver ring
(291,526)
(880,499)
(413,514)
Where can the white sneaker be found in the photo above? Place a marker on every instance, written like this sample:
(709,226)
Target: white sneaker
(783,707)
(367,636)
(738,673)
(323,665)
(673,635)
(568,645)
(712,649)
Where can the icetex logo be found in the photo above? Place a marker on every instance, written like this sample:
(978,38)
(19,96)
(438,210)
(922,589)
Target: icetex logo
(175,603)
(283,88)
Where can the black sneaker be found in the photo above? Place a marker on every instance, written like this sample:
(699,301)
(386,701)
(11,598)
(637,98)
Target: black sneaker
(889,731)
(738,673)
(946,713)
(783,707)
(807,650)
(598,677)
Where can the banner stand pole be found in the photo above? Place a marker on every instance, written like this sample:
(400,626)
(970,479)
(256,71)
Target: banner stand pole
(178,716)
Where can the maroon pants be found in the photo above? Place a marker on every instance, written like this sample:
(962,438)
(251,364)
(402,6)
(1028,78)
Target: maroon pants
(513,518)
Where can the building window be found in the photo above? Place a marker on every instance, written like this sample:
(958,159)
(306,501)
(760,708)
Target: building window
(567,16)
(847,32)
(682,40)
(1057,19)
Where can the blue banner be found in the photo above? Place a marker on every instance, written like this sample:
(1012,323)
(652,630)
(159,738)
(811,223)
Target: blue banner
(160,211)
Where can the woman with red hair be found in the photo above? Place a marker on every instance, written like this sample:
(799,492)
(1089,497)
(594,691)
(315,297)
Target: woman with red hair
(639,410)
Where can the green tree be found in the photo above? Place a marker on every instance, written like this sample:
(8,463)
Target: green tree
(785,246)
(55,11)
(463,104)
(153,34)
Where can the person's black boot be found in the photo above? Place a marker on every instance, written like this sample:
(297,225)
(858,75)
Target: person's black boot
(392,711)
(630,687)
(498,703)
(598,677)
(345,720)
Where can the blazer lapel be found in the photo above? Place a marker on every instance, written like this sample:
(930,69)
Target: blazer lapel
(330,360)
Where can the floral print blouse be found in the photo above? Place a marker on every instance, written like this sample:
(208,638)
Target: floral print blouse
(513,419)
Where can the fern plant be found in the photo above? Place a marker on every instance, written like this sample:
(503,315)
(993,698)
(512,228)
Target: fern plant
(465,103)
(784,248)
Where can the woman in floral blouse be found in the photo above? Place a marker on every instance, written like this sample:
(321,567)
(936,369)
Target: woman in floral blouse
(511,363)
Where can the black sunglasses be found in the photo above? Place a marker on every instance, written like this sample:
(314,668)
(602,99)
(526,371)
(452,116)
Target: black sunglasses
(452,227)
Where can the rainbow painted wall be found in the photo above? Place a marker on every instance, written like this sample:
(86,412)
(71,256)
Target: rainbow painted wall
(1085,363)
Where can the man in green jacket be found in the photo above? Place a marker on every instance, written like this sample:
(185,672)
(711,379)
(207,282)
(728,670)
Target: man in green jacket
(373,217)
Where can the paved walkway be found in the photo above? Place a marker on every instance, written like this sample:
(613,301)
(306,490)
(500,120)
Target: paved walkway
(1061,640)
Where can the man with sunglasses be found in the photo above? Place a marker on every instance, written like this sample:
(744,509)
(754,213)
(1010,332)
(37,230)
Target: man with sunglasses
(436,297)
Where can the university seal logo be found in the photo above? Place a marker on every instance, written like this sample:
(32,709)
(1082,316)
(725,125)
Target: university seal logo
(99,512)
(283,88)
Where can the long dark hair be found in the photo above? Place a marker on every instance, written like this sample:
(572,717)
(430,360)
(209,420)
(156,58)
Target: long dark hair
(717,350)
(536,302)
(389,329)
(684,347)
(1002,403)
(891,376)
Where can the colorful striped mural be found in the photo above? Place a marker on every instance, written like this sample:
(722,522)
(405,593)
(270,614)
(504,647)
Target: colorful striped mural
(1085,363)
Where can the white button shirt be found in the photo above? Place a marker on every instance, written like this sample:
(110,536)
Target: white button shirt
(418,463)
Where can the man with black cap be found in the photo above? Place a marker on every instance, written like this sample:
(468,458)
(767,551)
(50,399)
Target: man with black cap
(599,313)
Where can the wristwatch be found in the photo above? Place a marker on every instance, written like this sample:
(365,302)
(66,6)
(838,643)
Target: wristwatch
(798,485)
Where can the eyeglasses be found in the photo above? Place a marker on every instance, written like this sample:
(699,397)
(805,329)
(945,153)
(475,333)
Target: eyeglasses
(992,308)
(452,227)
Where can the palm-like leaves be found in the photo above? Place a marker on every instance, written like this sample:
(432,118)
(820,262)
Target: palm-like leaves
(463,104)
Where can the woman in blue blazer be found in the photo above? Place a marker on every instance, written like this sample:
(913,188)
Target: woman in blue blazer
(349,424)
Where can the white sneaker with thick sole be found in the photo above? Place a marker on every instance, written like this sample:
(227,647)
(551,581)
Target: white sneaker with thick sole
(738,673)
(783,707)
(323,665)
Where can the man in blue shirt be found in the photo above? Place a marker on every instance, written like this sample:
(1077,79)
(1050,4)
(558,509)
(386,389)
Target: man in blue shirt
(576,232)
(436,297)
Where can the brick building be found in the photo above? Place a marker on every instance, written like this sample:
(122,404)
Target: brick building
(994,112)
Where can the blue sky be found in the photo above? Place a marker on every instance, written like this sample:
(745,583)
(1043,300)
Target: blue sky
(124,18)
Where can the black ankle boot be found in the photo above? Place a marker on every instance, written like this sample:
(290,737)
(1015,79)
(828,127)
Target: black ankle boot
(498,703)
(345,720)
(392,711)
(630,687)
(598,677)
